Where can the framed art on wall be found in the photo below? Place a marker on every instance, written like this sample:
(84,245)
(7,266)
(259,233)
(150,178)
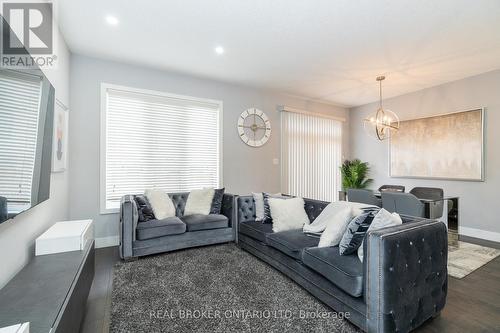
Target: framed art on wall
(60,138)
(448,146)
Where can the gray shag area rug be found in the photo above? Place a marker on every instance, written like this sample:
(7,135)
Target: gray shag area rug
(214,289)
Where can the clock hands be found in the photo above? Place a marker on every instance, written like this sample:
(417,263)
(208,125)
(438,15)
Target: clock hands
(252,127)
(263,126)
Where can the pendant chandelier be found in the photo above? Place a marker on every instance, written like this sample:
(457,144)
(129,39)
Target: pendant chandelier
(382,123)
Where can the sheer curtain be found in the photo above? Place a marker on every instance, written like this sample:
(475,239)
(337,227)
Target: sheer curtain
(311,148)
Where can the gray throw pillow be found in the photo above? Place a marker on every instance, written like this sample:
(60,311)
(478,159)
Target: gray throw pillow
(217,201)
(144,209)
(355,233)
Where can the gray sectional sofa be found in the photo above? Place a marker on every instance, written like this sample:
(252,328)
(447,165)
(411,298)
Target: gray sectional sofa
(156,236)
(401,283)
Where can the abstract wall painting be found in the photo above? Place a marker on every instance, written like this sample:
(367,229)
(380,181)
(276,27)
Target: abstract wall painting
(449,146)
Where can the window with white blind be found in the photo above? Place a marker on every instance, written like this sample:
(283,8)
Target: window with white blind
(19,111)
(311,148)
(155,140)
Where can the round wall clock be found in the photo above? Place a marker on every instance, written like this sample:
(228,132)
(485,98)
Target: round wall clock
(254,127)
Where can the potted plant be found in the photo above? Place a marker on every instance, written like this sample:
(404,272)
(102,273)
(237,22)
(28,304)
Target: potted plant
(355,174)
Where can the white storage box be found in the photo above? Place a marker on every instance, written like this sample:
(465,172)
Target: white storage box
(65,237)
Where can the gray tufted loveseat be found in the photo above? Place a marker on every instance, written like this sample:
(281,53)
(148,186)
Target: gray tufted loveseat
(140,239)
(401,283)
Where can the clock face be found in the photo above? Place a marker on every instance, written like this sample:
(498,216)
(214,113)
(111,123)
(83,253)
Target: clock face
(254,127)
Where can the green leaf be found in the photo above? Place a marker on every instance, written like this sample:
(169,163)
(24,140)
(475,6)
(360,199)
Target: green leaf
(355,174)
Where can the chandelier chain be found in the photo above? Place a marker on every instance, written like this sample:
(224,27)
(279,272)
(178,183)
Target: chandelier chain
(380,93)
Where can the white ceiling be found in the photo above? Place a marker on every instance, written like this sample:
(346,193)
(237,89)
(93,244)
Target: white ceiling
(324,50)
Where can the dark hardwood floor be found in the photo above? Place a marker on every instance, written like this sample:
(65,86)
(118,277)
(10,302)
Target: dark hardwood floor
(96,318)
(473,303)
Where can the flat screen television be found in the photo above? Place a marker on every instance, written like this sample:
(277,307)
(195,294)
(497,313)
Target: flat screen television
(26,129)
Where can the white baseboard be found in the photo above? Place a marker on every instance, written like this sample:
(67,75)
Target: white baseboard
(478,233)
(107,241)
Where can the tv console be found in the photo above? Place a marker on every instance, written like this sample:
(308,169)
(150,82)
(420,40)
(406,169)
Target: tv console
(50,292)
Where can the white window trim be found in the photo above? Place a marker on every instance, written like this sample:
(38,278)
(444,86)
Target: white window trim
(102,139)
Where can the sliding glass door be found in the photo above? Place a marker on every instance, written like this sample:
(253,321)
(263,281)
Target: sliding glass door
(311,148)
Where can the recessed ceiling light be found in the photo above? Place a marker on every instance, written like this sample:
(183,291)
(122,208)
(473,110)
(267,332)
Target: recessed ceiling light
(219,50)
(111,20)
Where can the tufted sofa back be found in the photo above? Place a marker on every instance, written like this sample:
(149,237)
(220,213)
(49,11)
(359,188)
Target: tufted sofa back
(246,208)
(314,208)
(179,199)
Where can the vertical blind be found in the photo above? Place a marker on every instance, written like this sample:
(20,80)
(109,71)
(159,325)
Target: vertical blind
(159,141)
(19,109)
(311,148)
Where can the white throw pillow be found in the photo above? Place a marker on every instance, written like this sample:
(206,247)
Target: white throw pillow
(258,199)
(199,201)
(383,219)
(337,226)
(161,203)
(319,224)
(287,214)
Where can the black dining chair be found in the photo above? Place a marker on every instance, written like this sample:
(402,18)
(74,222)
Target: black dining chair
(403,203)
(391,188)
(363,196)
(435,208)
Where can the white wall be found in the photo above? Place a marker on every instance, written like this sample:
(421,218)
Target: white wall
(478,200)
(245,169)
(17,236)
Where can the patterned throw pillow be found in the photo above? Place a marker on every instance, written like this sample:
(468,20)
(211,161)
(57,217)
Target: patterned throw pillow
(217,201)
(144,209)
(355,233)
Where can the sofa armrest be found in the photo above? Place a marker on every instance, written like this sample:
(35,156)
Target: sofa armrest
(228,208)
(128,222)
(406,277)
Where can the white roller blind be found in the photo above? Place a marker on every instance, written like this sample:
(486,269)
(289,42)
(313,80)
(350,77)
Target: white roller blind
(311,148)
(161,141)
(19,109)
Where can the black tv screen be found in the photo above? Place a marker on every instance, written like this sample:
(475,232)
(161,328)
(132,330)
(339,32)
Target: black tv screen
(26,129)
